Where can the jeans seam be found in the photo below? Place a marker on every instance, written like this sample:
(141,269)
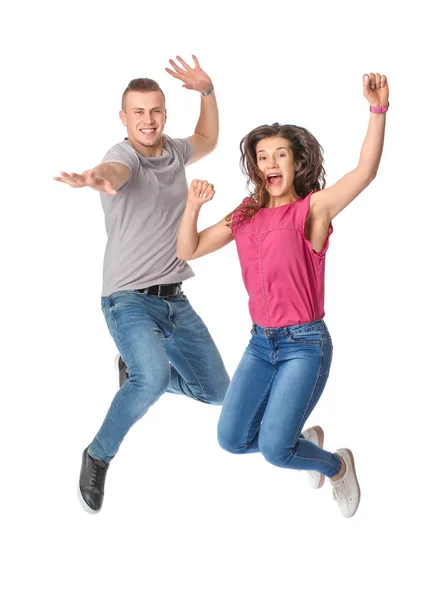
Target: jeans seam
(124,354)
(109,418)
(323,460)
(301,423)
(168,339)
(169,316)
(246,436)
(326,341)
(275,352)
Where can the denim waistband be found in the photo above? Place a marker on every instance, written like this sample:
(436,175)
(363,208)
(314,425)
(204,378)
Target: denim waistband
(289,329)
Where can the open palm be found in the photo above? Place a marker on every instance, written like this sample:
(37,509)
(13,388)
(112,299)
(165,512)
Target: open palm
(87,179)
(194,78)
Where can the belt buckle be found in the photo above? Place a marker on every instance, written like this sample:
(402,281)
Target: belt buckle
(159,290)
(176,289)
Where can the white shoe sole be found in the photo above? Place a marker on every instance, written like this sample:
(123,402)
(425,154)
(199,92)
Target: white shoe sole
(84,504)
(352,467)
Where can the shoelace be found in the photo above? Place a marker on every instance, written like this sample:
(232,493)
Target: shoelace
(340,491)
(97,476)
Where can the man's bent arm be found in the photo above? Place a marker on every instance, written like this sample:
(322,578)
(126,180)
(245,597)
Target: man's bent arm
(205,136)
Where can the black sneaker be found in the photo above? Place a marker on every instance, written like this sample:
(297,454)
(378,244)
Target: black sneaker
(91,482)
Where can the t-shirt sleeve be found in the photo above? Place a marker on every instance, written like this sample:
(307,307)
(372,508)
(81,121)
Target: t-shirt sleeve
(120,154)
(184,148)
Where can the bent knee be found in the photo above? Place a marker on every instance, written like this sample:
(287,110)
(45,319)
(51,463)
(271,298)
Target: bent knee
(150,383)
(275,454)
(214,399)
(215,395)
(230,442)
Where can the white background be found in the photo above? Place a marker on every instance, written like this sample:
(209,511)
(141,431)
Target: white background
(181,518)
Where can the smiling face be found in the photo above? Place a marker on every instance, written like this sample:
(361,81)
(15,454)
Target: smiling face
(275,161)
(144,115)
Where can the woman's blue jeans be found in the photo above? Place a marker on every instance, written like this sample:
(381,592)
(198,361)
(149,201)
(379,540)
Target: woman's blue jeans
(277,384)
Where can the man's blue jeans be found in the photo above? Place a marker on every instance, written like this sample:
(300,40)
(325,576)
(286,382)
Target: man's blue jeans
(166,348)
(277,384)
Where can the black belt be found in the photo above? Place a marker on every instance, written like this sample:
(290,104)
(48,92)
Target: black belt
(163,291)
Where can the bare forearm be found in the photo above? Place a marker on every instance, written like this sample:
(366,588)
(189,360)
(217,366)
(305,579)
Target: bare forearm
(372,147)
(208,123)
(188,236)
(117,175)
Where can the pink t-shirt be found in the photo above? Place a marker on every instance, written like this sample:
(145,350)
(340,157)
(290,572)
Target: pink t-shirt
(283,275)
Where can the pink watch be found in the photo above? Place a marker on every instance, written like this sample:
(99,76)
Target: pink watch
(379,109)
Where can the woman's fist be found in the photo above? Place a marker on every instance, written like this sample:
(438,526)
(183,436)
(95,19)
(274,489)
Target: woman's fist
(200,192)
(376,89)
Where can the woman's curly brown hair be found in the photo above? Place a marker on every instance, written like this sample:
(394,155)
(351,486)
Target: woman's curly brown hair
(307,152)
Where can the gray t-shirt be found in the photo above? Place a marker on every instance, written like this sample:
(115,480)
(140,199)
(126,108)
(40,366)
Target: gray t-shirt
(142,221)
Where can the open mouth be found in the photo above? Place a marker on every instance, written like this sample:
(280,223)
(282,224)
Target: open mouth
(275,179)
(148,132)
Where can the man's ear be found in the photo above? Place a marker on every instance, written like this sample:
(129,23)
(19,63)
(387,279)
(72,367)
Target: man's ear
(123,117)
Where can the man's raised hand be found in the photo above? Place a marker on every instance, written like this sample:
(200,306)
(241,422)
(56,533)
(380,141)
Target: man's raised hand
(194,78)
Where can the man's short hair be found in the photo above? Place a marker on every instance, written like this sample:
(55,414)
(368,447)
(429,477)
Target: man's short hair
(143,84)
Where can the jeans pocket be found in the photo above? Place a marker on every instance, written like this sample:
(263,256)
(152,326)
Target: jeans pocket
(107,307)
(309,337)
(124,293)
(106,303)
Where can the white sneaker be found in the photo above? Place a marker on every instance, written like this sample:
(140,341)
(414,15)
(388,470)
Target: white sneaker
(316,436)
(346,491)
